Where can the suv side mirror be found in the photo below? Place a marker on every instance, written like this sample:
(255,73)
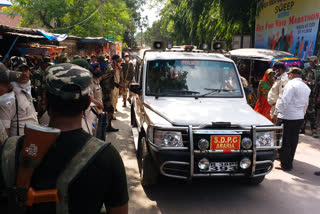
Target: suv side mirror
(248,90)
(135,88)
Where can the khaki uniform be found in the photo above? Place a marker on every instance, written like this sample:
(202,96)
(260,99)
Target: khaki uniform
(126,78)
(26,112)
(115,91)
(276,91)
(96,92)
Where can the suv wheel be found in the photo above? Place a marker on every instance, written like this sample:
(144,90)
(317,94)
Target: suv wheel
(148,172)
(255,180)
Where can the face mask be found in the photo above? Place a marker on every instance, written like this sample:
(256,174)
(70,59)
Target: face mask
(7,98)
(307,65)
(98,74)
(24,86)
(127,58)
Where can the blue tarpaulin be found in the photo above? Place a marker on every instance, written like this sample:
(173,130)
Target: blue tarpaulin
(53,37)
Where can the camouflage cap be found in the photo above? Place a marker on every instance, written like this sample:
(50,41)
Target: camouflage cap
(82,63)
(61,75)
(6,75)
(15,61)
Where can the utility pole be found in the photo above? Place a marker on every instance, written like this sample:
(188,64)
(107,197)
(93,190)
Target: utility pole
(101,18)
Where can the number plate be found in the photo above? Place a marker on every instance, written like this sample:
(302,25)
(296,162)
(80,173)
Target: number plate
(223,166)
(225,142)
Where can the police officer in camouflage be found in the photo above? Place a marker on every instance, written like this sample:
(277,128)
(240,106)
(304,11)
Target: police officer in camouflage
(87,172)
(107,86)
(310,76)
(126,78)
(38,81)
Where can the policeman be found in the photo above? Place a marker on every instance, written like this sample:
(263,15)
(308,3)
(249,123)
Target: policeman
(6,93)
(116,67)
(87,172)
(20,109)
(127,75)
(107,86)
(38,81)
(310,76)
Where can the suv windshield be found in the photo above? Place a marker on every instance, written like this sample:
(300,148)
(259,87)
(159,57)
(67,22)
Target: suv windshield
(192,78)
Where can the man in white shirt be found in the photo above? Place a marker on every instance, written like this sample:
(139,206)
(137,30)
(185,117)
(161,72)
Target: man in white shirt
(290,110)
(20,109)
(277,88)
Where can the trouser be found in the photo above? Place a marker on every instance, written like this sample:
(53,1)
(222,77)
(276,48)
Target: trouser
(115,95)
(290,141)
(124,92)
(311,116)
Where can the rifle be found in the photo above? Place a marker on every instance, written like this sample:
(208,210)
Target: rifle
(37,141)
(102,125)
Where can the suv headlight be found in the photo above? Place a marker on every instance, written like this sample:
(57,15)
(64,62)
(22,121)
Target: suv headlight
(168,139)
(265,139)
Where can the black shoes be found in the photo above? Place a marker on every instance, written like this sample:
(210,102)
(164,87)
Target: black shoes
(317,173)
(111,129)
(286,169)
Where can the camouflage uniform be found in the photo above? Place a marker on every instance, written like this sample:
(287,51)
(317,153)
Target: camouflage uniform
(38,82)
(125,79)
(107,86)
(309,76)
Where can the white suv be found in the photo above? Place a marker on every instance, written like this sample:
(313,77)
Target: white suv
(191,119)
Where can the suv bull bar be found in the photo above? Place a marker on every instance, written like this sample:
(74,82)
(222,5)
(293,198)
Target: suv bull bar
(192,151)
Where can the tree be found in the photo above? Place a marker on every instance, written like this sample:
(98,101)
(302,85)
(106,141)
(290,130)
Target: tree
(199,21)
(77,17)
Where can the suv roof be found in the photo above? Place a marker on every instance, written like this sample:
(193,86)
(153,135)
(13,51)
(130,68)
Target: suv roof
(159,55)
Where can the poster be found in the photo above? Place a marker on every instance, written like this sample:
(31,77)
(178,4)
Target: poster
(119,49)
(288,25)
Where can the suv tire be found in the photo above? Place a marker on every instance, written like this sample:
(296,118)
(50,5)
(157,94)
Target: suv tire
(148,173)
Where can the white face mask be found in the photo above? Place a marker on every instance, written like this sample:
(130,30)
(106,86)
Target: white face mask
(6,98)
(127,58)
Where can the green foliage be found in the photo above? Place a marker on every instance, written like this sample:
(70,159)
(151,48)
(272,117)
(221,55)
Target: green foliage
(199,21)
(79,17)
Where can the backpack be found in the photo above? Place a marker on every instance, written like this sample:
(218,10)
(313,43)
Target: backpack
(87,153)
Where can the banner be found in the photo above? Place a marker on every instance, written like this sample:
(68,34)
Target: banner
(288,25)
(53,37)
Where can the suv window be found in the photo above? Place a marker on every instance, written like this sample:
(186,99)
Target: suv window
(205,78)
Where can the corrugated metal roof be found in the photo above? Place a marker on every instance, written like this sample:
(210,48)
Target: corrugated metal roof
(5,2)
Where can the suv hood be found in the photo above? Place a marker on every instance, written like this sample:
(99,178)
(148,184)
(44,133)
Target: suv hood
(189,111)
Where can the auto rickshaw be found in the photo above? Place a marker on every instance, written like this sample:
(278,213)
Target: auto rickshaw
(253,62)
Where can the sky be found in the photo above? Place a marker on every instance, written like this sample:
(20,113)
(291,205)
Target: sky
(152,12)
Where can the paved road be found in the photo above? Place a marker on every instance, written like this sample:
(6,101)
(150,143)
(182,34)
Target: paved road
(295,192)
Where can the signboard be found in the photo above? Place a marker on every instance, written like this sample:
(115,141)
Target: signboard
(288,25)
(110,38)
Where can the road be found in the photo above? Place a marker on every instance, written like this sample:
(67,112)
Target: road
(294,192)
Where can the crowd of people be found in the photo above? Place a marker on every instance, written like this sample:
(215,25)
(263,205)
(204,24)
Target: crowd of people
(25,104)
(293,99)
(68,96)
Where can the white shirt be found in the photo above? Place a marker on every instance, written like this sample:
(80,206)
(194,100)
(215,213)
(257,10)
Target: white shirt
(26,111)
(277,88)
(293,103)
